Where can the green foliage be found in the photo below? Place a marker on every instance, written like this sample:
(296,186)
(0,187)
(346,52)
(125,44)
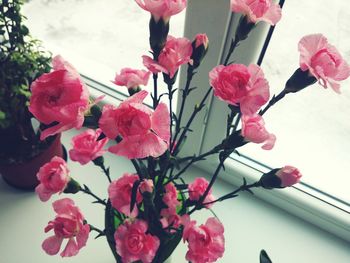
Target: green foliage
(22,60)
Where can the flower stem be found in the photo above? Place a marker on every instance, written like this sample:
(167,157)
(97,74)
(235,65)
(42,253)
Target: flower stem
(273,101)
(185,93)
(86,190)
(155,91)
(197,109)
(233,45)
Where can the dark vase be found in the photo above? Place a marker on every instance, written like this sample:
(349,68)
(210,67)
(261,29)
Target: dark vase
(23,175)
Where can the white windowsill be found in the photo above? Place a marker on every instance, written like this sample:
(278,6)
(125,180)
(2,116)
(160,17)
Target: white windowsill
(250,224)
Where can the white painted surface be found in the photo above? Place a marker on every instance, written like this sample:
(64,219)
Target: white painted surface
(250,225)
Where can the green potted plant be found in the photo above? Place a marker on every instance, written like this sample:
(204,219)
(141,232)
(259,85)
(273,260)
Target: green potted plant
(22,60)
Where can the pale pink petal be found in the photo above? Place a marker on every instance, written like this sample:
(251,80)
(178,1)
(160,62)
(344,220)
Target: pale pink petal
(270,142)
(43,193)
(71,249)
(63,206)
(153,66)
(83,236)
(215,226)
(107,122)
(273,15)
(161,122)
(52,245)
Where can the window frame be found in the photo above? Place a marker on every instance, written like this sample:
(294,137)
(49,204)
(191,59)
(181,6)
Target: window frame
(302,200)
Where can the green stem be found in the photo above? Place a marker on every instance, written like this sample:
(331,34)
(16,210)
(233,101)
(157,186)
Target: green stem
(197,109)
(233,45)
(155,91)
(233,194)
(273,101)
(184,97)
(86,190)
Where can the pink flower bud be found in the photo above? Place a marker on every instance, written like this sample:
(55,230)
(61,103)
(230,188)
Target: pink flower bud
(280,177)
(289,175)
(201,39)
(146,186)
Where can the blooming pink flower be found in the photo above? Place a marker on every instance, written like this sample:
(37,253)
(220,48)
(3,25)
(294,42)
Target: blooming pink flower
(170,198)
(162,8)
(53,177)
(170,220)
(176,52)
(119,192)
(133,244)
(87,147)
(197,188)
(132,78)
(145,133)
(146,186)
(237,84)
(206,243)
(323,61)
(59,96)
(289,175)
(253,130)
(258,10)
(68,224)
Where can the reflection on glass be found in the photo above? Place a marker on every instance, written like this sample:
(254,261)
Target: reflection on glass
(98,37)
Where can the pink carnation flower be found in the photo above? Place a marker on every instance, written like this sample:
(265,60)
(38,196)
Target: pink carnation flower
(59,96)
(170,198)
(53,177)
(323,61)
(237,84)
(162,8)
(132,78)
(87,147)
(253,130)
(197,188)
(133,244)
(206,243)
(68,224)
(119,192)
(258,10)
(145,133)
(176,52)
(289,175)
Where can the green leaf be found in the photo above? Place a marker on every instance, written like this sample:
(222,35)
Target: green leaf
(264,258)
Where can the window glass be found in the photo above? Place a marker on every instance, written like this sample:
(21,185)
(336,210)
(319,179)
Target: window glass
(98,37)
(312,126)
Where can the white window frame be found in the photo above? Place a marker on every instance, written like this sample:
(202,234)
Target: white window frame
(309,204)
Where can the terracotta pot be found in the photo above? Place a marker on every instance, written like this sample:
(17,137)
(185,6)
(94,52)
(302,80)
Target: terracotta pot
(23,175)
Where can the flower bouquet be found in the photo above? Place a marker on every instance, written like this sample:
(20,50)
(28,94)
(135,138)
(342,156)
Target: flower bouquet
(148,211)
